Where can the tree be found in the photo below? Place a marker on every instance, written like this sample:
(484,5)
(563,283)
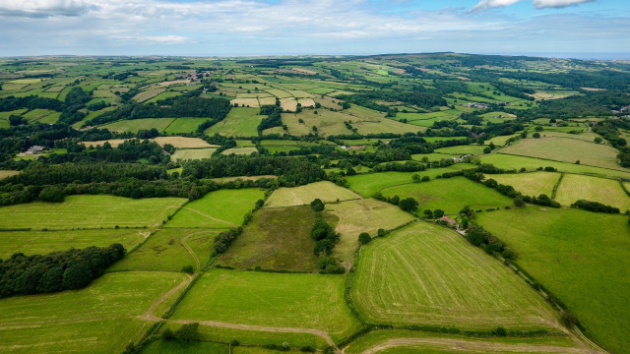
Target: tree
(428,214)
(416,178)
(426,178)
(188,332)
(383,232)
(77,276)
(317,205)
(518,201)
(364,238)
(408,204)
(188,269)
(15,120)
(598,140)
(536,135)
(438,213)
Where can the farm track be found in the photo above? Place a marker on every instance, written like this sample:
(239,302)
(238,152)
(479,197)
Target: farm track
(473,346)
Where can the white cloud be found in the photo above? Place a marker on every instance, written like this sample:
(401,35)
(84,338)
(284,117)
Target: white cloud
(45,8)
(557,4)
(488,4)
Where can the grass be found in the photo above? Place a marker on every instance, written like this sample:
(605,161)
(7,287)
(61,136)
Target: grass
(277,239)
(240,151)
(224,208)
(429,275)
(89,211)
(581,257)
(5,174)
(175,347)
(43,242)
(500,140)
(180,142)
(368,184)
(532,184)
(326,191)
(433,157)
(517,162)
(450,195)
(98,319)
(462,150)
(193,154)
(605,191)
(567,150)
(240,121)
(184,125)
(270,300)
(164,251)
(366,215)
(137,124)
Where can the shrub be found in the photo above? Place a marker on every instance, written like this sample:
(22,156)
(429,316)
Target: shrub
(364,238)
(188,333)
(317,205)
(188,269)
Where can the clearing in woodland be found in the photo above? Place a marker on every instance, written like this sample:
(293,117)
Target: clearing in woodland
(428,275)
(310,301)
(532,184)
(328,192)
(605,191)
(89,211)
(581,257)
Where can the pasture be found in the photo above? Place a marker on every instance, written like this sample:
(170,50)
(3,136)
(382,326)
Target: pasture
(224,208)
(462,150)
(365,215)
(240,151)
(428,275)
(43,242)
(530,163)
(567,150)
(89,211)
(272,300)
(450,195)
(240,122)
(174,347)
(532,184)
(138,124)
(581,257)
(180,142)
(328,192)
(368,184)
(605,191)
(193,154)
(102,318)
(184,125)
(277,239)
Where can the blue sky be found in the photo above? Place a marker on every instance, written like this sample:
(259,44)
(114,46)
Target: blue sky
(279,27)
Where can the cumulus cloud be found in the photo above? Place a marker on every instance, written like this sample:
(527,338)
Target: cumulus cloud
(558,4)
(44,8)
(488,4)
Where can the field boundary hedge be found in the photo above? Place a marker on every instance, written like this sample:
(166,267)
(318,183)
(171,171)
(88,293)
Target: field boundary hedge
(554,191)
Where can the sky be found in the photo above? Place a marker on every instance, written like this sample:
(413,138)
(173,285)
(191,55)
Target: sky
(291,27)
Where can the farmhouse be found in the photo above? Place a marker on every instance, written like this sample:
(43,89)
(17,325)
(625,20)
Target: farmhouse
(448,220)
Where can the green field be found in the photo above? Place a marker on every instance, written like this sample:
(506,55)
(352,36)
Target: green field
(43,242)
(193,154)
(605,191)
(433,157)
(500,140)
(89,211)
(271,300)
(175,347)
(102,318)
(581,257)
(137,124)
(531,184)
(277,239)
(567,150)
(368,184)
(462,150)
(240,151)
(428,275)
(450,195)
(530,163)
(224,208)
(326,191)
(5,173)
(240,121)
(184,125)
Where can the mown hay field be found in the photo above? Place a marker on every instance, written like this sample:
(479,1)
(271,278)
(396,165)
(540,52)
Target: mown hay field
(5,173)
(531,163)
(581,257)
(531,184)
(271,300)
(428,275)
(181,142)
(326,191)
(223,208)
(43,242)
(450,195)
(101,318)
(567,150)
(368,184)
(605,191)
(240,151)
(276,239)
(193,154)
(239,122)
(89,211)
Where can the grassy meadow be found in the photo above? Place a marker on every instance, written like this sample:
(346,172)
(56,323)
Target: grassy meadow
(89,211)
(193,154)
(242,122)
(532,184)
(328,192)
(581,257)
(605,191)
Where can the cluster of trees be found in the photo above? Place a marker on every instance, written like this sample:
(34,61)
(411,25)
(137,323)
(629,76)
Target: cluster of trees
(12,103)
(325,237)
(610,131)
(225,239)
(185,334)
(409,205)
(509,191)
(479,237)
(57,271)
(595,206)
(274,117)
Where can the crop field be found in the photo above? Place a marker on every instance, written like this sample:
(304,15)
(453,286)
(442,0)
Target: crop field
(180,142)
(421,275)
(567,150)
(462,150)
(42,242)
(192,154)
(581,257)
(605,191)
(165,251)
(224,208)
(184,125)
(450,195)
(531,184)
(368,184)
(101,318)
(328,192)
(239,122)
(531,163)
(137,124)
(269,299)
(89,211)
(366,215)
(240,151)
(277,239)
(5,173)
